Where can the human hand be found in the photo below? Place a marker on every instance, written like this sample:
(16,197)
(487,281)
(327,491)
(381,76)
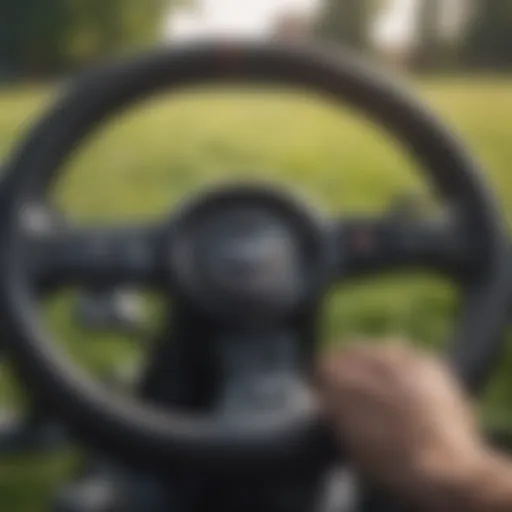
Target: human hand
(403,419)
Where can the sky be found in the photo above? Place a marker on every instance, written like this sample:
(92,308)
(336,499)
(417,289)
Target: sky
(254,18)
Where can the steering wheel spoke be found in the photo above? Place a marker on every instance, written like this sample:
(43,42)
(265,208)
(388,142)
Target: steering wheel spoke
(90,255)
(365,246)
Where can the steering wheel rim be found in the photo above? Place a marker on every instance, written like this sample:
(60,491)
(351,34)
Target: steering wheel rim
(278,442)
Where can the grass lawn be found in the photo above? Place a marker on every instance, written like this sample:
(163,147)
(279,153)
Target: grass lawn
(143,162)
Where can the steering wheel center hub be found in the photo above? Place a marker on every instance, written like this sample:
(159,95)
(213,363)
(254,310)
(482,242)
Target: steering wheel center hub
(246,252)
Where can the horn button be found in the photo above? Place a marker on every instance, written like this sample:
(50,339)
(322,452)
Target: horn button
(249,253)
(244,259)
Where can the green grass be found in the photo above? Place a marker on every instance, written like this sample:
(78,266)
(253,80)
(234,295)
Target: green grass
(143,162)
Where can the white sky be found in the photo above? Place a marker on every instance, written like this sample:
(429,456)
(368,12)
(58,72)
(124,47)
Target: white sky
(254,18)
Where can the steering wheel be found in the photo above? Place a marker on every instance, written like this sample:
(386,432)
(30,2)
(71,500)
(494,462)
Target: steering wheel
(248,259)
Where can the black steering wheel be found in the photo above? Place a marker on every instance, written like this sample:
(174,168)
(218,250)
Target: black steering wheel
(248,259)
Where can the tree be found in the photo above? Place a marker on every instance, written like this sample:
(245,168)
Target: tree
(428,48)
(292,26)
(31,33)
(348,22)
(42,36)
(488,42)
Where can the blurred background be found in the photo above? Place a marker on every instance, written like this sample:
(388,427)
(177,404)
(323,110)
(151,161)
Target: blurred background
(454,54)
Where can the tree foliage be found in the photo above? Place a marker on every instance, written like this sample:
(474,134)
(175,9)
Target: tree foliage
(39,36)
(488,42)
(348,22)
(485,44)
(428,47)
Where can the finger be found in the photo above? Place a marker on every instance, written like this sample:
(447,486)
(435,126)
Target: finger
(370,366)
(400,350)
(399,359)
(342,382)
(380,362)
(350,368)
